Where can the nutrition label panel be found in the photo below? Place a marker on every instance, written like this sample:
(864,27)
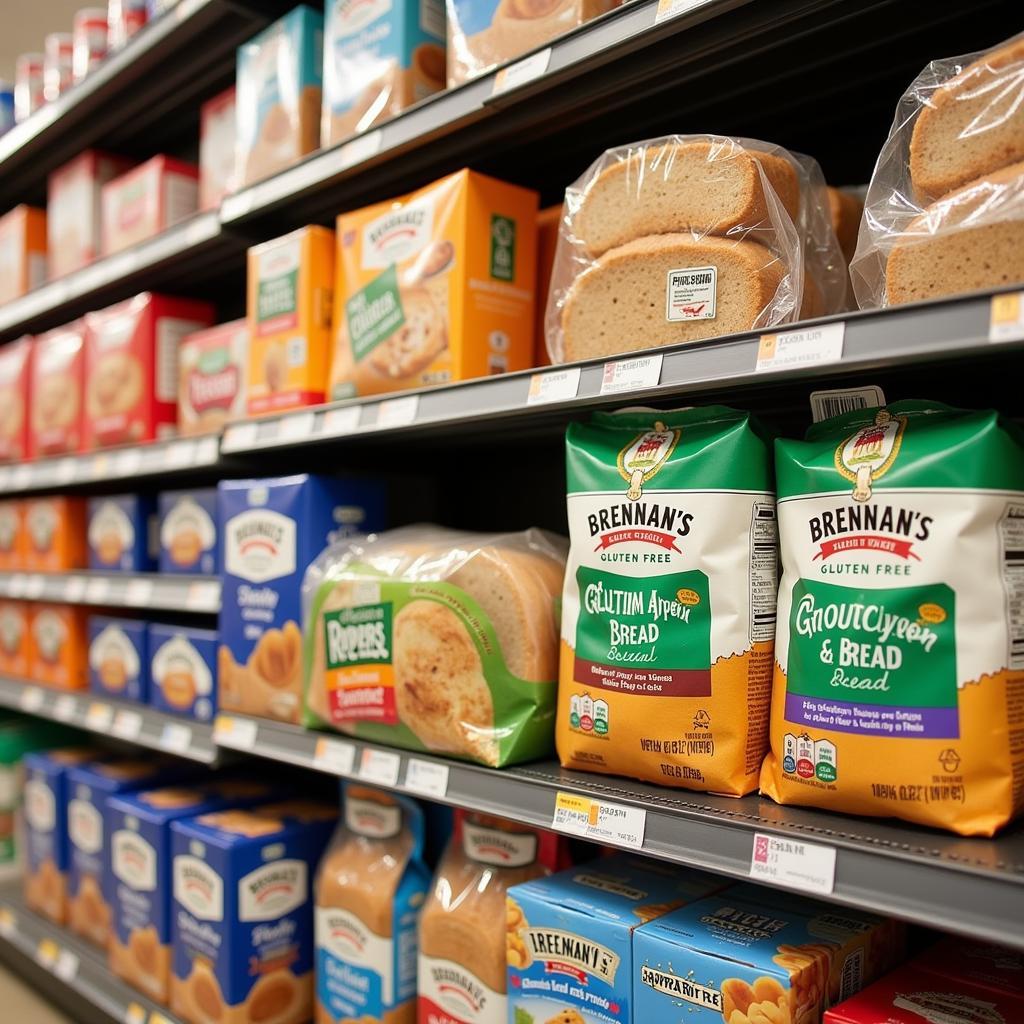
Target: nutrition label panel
(1012,538)
(764,571)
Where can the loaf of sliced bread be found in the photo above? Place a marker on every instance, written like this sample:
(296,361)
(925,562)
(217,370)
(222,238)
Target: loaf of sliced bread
(961,243)
(619,303)
(690,186)
(971,125)
(845,210)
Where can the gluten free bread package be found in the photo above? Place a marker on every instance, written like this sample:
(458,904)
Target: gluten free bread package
(436,640)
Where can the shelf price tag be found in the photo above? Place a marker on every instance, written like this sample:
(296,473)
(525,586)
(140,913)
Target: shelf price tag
(203,596)
(127,724)
(139,593)
(207,449)
(340,421)
(398,412)
(66,966)
(74,589)
(17,586)
(134,1014)
(631,374)
(599,820)
(523,71)
(380,767)
(554,386)
(426,777)
(239,436)
(176,738)
(99,716)
(127,462)
(1006,317)
(21,477)
(334,756)
(179,454)
(47,952)
(8,922)
(65,470)
(296,427)
(361,148)
(237,733)
(791,862)
(97,590)
(811,346)
(35,585)
(65,708)
(31,699)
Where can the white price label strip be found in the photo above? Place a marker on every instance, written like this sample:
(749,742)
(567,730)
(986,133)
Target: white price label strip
(134,1014)
(180,454)
(599,820)
(398,412)
(792,862)
(97,590)
(8,922)
(809,347)
(296,427)
(554,386)
(341,421)
(176,738)
(65,470)
(17,586)
(99,717)
(47,952)
(31,699)
(203,595)
(237,733)
(631,374)
(66,966)
(34,587)
(74,588)
(523,71)
(426,777)
(1006,317)
(21,477)
(239,436)
(361,148)
(334,756)
(127,724)
(139,593)
(380,767)
(128,462)
(65,708)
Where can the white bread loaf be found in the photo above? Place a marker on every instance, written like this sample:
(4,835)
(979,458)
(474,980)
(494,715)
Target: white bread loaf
(961,243)
(971,125)
(619,304)
(704,187)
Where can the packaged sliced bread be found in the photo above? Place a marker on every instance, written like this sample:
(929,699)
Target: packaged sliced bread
(943,212)
(437,640)
(688,237)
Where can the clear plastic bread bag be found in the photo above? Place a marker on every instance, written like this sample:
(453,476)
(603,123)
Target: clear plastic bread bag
(688,237)
(433,639)
(944,212)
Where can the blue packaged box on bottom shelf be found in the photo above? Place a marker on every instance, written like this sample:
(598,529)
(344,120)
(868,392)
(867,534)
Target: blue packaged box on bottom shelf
(122,533)
(118,658)
(189,539)
(183,671)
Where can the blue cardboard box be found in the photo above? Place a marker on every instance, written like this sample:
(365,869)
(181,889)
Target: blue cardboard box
(189,540)
(270,531)
(242,923)
(183,670)
(570,936)
(122,533)
(118,658)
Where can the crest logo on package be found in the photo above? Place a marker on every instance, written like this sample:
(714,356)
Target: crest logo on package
(567,953)
(645,456)
(133,860)
(496,846)
(261,545)
(272,891)
(198,888)
(397,235)
(85,823)
(870,452)
(40,806)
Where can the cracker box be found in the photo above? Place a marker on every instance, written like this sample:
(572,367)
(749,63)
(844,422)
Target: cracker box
(189,541)
(270,531)
(290,289)
(910,996)
(74,209)
(118,658)
(378,60)
(435,286)
(46,827)
(57,390)
(15,376)
(216,149)
(14,638)
(726,957)
(548,222)
(278,95)
(147,200)
(22,252)
(183,670)
(54,534)
(12,535)
(139,877)
(131,367)
(242,924)
(213,373)
(570,936)
(88,786)
(58,646)
(979,963)
(123,533)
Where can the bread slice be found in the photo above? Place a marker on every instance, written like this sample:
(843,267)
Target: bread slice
(943,252)
(690,186)
(845,210)
(618,304)
(972,125)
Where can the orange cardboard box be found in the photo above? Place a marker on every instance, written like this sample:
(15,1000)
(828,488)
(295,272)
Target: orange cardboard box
(54,534)
(290,292)
(58,645)
(14,638)
(57,382)
(12,535)
(22,251)
(15,371)
(435,286)
(548,221)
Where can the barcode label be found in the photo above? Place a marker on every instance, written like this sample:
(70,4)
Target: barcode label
(1012,542)
(826,404)
(764,571)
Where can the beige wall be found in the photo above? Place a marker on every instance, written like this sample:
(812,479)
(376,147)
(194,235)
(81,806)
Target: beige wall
(23,23)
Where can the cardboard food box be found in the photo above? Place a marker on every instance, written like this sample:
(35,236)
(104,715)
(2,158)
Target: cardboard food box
(278,95)
(290,294)
(979,963)
(189,538)
(15,378)
(118,658)
(270,532)
(12,535)
(213,377)
(74,208)
(22,252)
(435,286)
(54,534)
(131,367)
(122,533)
(147,200)
(548,222)
(58,646)
(14,638)
(216,149)
(183,670)
(57,390)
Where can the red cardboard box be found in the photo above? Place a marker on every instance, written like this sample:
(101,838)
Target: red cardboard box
(15,371)
(131,367)
(981,963)
(57,377)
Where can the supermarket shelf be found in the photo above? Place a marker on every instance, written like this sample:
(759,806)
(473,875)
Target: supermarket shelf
(969,886)
(161,459)
(70,967)
(954,329)
(133,723)
(179,256)
(198,594)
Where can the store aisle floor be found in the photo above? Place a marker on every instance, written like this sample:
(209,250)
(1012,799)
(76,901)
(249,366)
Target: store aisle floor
(22,1003)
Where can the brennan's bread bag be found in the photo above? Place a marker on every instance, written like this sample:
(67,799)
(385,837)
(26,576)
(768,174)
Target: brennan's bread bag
(688,237)
(899,677)
(432,639)
(668,614)
(944,213)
